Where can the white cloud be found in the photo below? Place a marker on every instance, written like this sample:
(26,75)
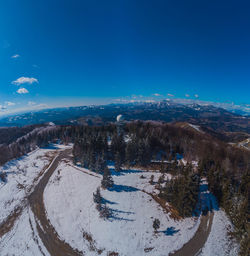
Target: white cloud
(42,105)
(187,95)
(170,95)
(2,107)
(15,56)
(9,103)
(22,91)
(25,80)
(196,96)
(149,101)
(157,94)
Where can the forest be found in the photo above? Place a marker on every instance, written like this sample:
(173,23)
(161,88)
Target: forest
(142,144)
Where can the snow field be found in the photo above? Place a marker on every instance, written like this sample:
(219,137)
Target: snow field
(21,174)
(23,240)
(71,210)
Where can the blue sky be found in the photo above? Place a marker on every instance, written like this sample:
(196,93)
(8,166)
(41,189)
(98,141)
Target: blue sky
(76,52)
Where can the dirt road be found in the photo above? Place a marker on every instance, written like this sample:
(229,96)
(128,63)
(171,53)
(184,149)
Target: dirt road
(194,245)
(8,224)
(54,245)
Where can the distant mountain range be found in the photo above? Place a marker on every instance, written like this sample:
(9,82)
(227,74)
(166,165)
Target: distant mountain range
(210,118)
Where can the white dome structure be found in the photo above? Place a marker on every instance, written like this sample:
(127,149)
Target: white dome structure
(119,118)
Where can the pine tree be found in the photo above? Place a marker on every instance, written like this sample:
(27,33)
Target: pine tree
(143,153)
(151,181)
(117,162)
(97,196)
(105,212)
(161,179)
(92,159)
(100,163)
(156,224)
(130,152)
(107,181)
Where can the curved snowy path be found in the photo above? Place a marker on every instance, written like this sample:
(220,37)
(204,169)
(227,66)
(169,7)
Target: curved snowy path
(54,245)
(194,245)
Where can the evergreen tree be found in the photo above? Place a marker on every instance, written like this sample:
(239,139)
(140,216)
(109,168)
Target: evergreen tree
(105,212)
(143,153)
(161,179)
(182,193)
(117,162)
(107,181)
(151,181)
(156,224)
(131,152)
(97,196)
(100,164)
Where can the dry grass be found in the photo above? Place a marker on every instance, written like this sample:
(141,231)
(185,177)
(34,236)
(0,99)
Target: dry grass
(174,214)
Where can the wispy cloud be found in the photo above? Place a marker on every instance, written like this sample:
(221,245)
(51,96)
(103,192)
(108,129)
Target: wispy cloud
(15,56)
(9,103)
(170,95)
(157,94)
(196,96)
(41,106)
(187,95)
(25,80)
(22,91)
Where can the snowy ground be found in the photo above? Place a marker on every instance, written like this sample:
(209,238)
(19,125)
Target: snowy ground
(70,207)
(22,175)
(22,240)
(219,242)
(196,127)
(69,203)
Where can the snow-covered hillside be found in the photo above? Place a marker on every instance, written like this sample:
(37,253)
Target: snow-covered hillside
(19,236)
(71,210)
(21,177)
(75,221)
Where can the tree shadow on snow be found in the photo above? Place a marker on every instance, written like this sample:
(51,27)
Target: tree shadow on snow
(119,211)
(114,215)
(51,146)
(120,219)
(106,201)
(206,202)
(123,172)
(170,231)
(122,188)
(13,162)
